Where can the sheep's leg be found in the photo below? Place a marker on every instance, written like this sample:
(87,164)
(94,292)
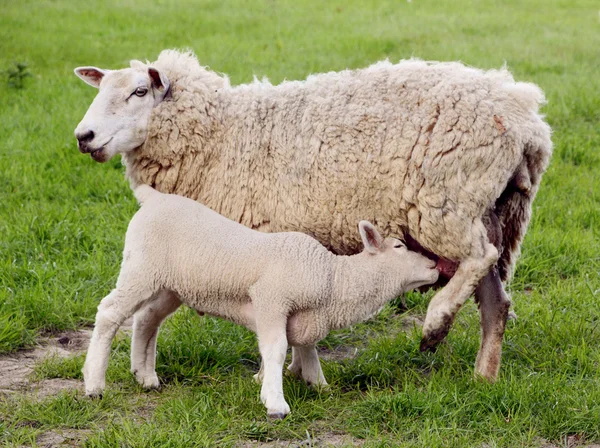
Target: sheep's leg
(113,310)
(272,342)
(310,370)
(446,303)
(146,323)
(493,308)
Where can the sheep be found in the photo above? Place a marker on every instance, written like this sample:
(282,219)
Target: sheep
(447,155)
(286,287)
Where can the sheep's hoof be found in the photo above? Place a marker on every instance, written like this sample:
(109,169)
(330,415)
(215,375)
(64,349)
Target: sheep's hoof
(431,341)
(277,416)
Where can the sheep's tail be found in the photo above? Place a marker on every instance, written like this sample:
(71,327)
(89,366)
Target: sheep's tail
(513,207)
(143,192)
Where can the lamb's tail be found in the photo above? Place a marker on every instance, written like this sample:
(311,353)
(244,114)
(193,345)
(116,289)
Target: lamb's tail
(513,207)
(143,192)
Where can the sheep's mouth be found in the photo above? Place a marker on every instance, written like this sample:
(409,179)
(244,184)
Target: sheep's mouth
(98,154)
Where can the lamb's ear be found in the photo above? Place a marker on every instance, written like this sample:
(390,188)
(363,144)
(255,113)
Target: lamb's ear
(91,75)
(160,83)
(371,238)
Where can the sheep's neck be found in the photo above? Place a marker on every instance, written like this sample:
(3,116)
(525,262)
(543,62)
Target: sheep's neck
(359,290)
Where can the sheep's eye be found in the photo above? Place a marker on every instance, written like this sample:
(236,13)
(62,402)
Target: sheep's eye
(398,245)
(141,91)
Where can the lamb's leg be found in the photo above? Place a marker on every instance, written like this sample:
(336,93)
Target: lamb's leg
(446,303)
(310,370)
(113,310)
(295,367)
(493,308)
(146,323)
(272,342)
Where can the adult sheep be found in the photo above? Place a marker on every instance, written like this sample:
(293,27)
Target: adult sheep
(448,155)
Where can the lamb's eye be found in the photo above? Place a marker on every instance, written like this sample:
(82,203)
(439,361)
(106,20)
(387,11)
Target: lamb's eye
(141,91)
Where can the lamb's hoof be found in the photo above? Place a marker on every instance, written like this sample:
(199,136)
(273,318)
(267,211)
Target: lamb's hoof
(511,315)
(151,383)
(319,387)
(257,378)
(94,394)
(294,371)
(277,416)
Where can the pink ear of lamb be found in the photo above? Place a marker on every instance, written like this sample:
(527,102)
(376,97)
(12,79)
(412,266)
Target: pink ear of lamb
(371,238)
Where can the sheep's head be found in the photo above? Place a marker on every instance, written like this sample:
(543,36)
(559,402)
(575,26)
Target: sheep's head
(402,268)
(117,120)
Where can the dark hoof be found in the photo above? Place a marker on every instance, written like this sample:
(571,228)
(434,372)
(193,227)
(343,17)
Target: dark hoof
(277,416)
(428,345)
(430,342)
(95,396)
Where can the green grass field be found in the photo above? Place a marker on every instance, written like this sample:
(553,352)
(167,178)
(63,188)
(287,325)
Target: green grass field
(63,219)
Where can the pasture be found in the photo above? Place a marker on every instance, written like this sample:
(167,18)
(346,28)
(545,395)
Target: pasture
(63,219)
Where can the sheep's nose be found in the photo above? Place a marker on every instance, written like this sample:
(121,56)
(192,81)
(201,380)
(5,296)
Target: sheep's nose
(83,138)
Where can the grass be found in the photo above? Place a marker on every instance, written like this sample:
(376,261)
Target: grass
(63,218)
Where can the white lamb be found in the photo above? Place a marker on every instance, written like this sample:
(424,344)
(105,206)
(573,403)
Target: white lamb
(447,155)
(286,287)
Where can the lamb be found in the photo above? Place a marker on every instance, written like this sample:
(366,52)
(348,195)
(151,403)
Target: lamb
(447,155)
(286,287)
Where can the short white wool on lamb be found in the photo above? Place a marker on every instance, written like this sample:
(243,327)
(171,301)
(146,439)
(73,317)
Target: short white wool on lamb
(286,287)
(447,155)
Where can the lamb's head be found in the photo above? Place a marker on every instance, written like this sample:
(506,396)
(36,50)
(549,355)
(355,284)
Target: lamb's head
(117,120)
(402,269)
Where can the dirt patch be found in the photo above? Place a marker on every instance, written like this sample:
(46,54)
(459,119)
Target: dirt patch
(326,440)
(69,437)
(16,368)
(338,353)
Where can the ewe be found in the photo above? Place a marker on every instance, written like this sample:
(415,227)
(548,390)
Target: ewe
(286,287)
(448,155)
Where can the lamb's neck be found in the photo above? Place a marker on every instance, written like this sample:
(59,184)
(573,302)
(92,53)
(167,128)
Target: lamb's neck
(360,289)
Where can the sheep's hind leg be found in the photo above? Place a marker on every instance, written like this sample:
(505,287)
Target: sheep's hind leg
(446,303)
(310,366)
(493,308)
(113,310)
(146,323)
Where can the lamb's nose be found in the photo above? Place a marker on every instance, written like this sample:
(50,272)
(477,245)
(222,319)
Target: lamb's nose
(83,138)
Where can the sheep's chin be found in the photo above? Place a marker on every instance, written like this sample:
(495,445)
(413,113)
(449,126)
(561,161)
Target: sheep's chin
(100,155)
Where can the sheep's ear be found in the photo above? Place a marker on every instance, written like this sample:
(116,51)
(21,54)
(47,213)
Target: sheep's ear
(160,82)
(371,238)
(91,75)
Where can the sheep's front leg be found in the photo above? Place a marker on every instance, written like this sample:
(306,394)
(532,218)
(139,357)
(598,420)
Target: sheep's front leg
(446,303)
(493,308)
(308,366)
(113,310)
(146,323)
(272,342)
